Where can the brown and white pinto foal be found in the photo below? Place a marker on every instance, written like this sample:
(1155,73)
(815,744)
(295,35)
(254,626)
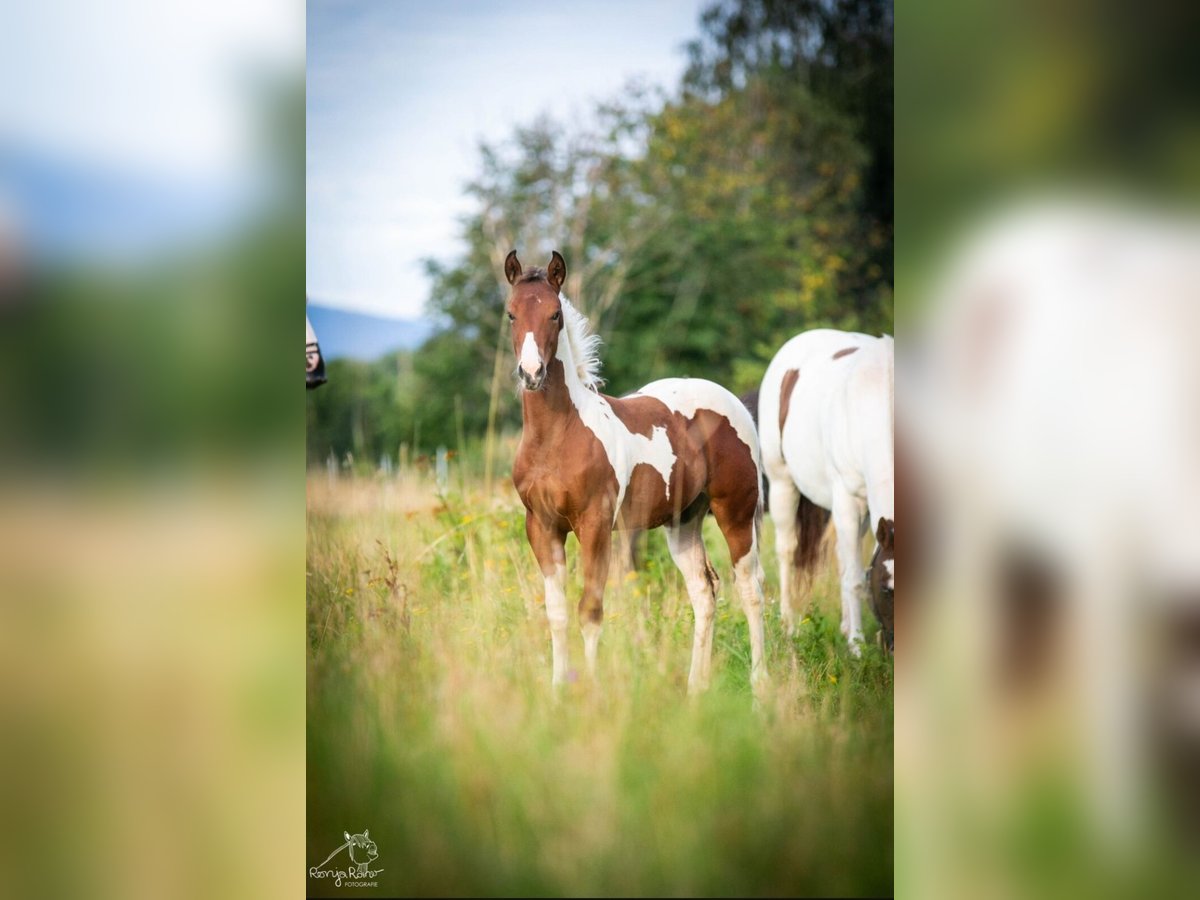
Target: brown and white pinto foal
(590,463)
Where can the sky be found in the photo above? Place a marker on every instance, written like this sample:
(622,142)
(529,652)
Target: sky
(400,94)
(130,121)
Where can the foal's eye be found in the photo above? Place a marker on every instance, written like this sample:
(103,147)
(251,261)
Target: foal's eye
(511,317)
(556,317)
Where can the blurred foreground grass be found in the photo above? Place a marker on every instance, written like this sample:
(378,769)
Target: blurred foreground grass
(431,722)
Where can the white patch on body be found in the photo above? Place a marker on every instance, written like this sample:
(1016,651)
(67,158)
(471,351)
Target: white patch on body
(530,358)
(890,565)
(686,395)
(625,449)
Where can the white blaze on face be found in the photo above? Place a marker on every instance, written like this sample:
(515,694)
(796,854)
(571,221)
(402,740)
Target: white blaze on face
(530,360)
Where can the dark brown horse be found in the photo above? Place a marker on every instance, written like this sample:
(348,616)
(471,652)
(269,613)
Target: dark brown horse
(589,464)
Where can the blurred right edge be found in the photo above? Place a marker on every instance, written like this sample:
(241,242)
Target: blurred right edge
(1048,699)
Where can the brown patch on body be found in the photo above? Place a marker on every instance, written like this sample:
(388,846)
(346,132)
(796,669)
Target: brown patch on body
(712,468)
(790,377)
(733,480)
(846,352)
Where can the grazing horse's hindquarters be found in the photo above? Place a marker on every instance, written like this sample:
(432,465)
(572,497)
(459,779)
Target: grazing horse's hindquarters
(589,464)
(826,425)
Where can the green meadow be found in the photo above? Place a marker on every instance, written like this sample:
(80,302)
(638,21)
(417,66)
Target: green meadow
(432,723)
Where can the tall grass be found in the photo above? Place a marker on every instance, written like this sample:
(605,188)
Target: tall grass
(431,721)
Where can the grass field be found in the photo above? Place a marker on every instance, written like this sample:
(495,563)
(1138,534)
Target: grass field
(431,720)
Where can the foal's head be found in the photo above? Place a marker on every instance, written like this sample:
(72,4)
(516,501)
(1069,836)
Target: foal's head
(536,314)
(882,575)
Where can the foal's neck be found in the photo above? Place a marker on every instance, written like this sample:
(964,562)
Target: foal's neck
(547,413)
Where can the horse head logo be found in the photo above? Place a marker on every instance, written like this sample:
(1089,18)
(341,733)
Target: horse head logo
(362,851)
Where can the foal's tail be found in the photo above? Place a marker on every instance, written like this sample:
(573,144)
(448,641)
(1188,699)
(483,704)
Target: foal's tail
(811,523)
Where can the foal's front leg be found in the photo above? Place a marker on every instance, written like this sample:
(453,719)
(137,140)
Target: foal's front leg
(547,544)
(595,544)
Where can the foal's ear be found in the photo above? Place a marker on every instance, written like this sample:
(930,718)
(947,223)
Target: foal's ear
(556,272)
(886,534)
(512,267)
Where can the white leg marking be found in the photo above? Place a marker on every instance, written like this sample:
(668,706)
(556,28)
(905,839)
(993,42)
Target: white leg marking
(556,613)
(748,578)
(847,521)
(687,549)
(784,501)
(1108,665)
(591,642)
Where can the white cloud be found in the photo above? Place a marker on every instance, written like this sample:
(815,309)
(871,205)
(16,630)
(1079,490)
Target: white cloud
(141,84)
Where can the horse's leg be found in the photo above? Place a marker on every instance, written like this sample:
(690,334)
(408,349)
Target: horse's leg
(847,522)
(547,544)
(595,542)
(738,524)
(1106,658)
(785,500)
(686,544)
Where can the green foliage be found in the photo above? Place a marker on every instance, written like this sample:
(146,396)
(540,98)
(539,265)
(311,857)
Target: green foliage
(701,229)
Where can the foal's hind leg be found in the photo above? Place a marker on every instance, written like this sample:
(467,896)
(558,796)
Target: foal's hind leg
(737,520)
(687,549)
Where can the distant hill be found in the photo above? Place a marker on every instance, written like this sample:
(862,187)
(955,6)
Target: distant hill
(74,209)
(361,336)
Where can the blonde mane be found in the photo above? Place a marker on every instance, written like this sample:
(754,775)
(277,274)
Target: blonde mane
(585,346)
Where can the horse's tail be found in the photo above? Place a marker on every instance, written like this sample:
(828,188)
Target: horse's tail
(811,523)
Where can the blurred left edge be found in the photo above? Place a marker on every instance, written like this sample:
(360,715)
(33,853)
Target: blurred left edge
(151,449)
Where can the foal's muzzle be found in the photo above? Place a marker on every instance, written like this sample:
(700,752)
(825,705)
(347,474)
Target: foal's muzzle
(535,381)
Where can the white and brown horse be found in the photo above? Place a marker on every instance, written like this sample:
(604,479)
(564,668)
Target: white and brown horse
(826,423)
(589,464)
